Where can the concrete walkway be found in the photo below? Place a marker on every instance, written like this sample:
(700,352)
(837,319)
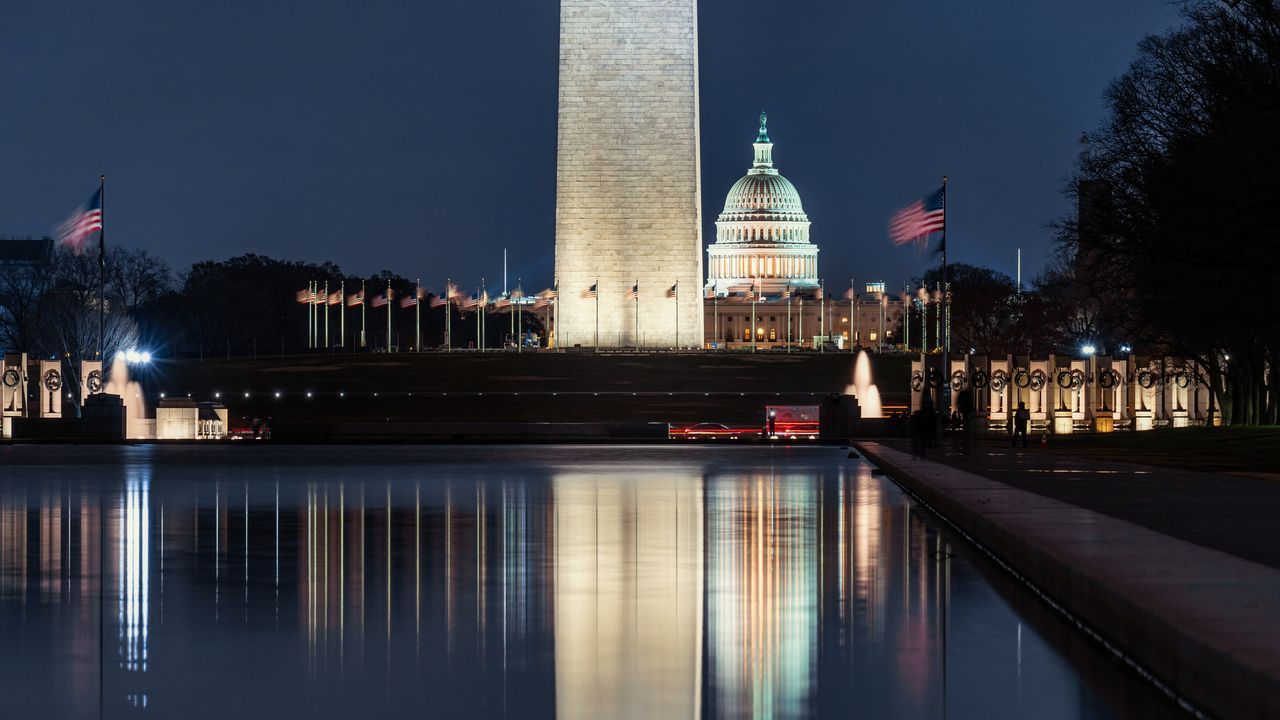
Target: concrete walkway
(1234,514)
(1202,622)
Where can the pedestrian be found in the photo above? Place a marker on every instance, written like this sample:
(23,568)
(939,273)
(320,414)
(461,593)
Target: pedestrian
(923,425)
(1021,418)
(964,409)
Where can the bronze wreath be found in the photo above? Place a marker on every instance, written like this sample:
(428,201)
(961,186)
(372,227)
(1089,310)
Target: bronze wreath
(94,381)
(1038,379)
(53,380)
(957,380)
(935,378)
(1181,379)
(1064,379)
(999,379)
(1077,379)
(980,379)
(1021,378)
(1108,378)
(917,381)
(12,378)
(1147,379)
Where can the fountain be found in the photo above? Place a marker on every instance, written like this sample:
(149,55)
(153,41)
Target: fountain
(863,389)
(137,425)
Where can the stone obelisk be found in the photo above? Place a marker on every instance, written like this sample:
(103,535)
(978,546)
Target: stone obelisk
(628,178)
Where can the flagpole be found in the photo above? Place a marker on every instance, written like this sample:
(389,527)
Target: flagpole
(448,315)
(342,314)
(946,284)
(417,313)
(800,330)
(637,289)
(754,297)
(788,317)
(677,315)
(853,316)
(520,319)
(597,314)
(388,291)
(363,333)
(311,315)
(946,309)
(822,316)
(326,315)
(102,268)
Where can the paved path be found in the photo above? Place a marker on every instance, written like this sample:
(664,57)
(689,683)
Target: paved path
(1236,515)
(1201,621)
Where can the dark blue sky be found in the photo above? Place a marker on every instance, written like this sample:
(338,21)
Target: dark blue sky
(420,136)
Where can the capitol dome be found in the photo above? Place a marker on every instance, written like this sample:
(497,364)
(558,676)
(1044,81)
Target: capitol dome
(762,236)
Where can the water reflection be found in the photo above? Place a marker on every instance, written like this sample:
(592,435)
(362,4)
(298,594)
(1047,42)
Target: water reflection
(513,582)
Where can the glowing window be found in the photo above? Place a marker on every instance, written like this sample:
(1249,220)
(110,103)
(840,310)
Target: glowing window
(872,336)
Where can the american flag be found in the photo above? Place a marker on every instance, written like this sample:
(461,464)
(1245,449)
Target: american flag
(633,293)
(85,221)
(786,294)
(437,301)
(592,291)
(469,303)
(386,297)
(673,290)
(751,294)
(408,301)
(355,299)
(335,298)
(548,294)
(913,223)
(307,296)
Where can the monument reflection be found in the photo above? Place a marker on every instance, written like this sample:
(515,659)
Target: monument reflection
(635,583)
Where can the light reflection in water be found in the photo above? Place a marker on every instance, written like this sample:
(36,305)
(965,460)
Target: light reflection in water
(696,583)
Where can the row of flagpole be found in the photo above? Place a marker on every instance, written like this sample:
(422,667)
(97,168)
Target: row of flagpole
(317,294)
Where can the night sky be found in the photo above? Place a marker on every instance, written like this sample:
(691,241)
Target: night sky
(420,136)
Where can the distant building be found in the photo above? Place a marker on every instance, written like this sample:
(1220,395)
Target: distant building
(26,252)
(763,250)
(762,235)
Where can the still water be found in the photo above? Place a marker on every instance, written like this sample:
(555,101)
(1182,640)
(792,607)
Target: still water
(577,582)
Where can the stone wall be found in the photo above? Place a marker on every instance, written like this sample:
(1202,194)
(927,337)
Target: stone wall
(628,175)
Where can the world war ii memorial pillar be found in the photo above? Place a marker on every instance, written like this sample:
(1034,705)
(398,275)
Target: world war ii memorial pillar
(628,178)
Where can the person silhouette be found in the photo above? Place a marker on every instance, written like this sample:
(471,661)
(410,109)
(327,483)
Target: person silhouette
(1021,418)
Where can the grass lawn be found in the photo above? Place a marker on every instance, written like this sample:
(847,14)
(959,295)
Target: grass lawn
(1223,449)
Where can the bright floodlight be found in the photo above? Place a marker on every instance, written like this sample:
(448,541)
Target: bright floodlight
(1089,349)
(134,357)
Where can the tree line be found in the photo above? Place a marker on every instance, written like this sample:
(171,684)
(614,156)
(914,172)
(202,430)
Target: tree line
(1176,240)
(241,306)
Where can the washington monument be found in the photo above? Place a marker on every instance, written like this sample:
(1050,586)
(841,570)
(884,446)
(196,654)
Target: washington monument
(628,213)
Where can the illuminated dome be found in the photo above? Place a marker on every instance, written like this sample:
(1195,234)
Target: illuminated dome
(762,236)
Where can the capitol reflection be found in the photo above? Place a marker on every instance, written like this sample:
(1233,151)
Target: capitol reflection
(597,589)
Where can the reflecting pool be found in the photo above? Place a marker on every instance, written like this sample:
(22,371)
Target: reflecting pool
(530,581)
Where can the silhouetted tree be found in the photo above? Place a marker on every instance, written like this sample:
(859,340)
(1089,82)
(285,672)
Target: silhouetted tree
(1179,216)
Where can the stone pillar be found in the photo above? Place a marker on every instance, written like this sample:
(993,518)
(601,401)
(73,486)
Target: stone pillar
(628,207)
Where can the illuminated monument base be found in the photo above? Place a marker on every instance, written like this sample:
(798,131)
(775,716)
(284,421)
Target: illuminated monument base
(1067,394)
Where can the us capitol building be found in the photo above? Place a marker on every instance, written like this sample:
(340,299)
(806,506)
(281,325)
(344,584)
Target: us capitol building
(762,253)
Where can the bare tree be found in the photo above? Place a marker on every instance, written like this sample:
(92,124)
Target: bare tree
(136,279)
(24,293)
